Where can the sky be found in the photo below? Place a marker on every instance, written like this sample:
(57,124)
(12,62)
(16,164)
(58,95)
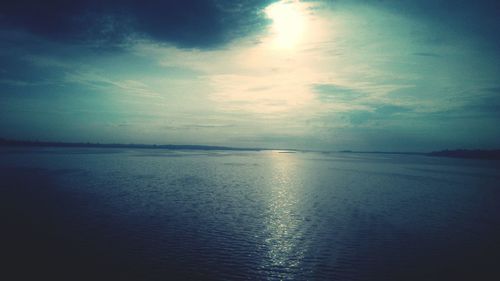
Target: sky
(323,75)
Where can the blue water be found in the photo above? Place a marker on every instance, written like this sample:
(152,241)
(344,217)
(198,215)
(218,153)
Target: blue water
(117,214)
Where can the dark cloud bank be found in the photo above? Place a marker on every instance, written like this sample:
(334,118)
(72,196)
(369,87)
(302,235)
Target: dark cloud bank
(186,23)
(204,23)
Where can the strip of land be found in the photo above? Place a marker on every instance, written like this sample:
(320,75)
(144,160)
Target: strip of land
(457,153)
(21,143)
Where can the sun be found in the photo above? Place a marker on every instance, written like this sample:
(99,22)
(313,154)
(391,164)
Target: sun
(288,23)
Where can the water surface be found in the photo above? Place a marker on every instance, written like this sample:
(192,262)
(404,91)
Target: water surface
(140,214)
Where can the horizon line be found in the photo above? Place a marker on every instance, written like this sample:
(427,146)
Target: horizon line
(455,153)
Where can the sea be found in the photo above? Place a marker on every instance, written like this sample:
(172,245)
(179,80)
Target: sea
(154,214)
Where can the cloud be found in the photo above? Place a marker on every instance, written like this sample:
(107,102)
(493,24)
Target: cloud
(484,106)
(336,93)
(390,109)
(99,81)
(494,90)
(19,73)
(384,112)
(423,54)
(186,23)
(467,18)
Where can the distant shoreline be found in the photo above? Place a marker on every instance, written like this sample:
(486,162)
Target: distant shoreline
(493,154)
(19,143)
(456,153)
(468,154)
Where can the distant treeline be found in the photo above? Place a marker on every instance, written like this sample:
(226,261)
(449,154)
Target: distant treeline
(457,153)
(383,152)
(5,142)
(466,153)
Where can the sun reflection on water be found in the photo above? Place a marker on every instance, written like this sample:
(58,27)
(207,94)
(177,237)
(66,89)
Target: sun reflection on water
(285,251)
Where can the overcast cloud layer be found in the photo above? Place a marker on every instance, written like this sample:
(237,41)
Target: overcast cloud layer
(329,75)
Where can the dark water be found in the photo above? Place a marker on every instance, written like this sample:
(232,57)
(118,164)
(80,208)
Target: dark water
(96,214)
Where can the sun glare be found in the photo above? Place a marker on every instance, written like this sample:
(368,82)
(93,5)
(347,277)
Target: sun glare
(288,23)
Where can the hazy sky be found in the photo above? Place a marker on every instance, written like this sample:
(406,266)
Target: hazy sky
(362,75)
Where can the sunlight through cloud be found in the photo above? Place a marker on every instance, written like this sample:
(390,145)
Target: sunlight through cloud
(289,23)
